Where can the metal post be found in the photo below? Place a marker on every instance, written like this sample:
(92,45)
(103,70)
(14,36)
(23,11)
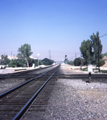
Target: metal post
(89,77)
(75,55)
(81,61)
(38,62)
(38,58)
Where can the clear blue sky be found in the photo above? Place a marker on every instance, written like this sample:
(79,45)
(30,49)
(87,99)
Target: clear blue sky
(56,25)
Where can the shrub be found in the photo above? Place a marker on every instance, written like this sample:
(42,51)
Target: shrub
(84,69)
(101,63)
(77,61)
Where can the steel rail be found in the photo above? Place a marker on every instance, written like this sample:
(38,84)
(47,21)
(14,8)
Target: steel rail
(25,107)
(13,89)
(7,75)
(84,75)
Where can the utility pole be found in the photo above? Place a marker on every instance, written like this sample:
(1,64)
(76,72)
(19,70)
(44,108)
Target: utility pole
(75,55)
(11,55)
(81,61)
(65,59)
(49,54)
(98,54)
(38,58)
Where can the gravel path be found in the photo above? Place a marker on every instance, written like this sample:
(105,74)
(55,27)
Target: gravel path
(77,100)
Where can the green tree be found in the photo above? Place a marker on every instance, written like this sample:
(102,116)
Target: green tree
(17,63)
(91,49)
(2,57)
(47,61)
(97,46)
(25,52)
(101,62)
(77,61)
(4,60)
(13,63)
(70,62)
(86,51)
(33,61)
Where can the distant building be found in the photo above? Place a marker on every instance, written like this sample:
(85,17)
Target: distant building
(12,57)
(33,57)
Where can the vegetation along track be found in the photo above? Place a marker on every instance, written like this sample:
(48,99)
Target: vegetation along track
(14,103)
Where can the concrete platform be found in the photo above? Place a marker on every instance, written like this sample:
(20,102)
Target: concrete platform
(18,69)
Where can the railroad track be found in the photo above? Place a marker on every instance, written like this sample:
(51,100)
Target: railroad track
(94,77)
(37,109)
(16,74)
(82,76)
(15,102)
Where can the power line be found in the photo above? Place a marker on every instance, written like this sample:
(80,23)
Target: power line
(103,35)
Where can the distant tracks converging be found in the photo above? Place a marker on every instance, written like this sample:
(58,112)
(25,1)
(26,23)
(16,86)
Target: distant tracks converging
(15,102)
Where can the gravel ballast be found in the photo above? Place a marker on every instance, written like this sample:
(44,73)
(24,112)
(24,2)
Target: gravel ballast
(9,83)
(77,100)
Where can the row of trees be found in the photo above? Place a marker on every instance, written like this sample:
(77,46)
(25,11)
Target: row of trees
(4,60)
(23,63)
(24,53)
(91,51)
(79,61)
(76,62)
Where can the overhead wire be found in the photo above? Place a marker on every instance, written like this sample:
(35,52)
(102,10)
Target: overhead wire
(103,35)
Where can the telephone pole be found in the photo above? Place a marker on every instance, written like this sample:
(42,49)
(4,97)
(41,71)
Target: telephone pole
(75,55)
(81,61)
(11,55)
(98,55)
(49,54)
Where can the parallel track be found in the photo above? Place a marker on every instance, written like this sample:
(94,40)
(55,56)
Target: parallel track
(14,103)
(94,77)
(9,75)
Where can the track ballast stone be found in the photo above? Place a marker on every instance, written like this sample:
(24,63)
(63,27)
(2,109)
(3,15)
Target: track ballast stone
(77,100)
(10,83)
